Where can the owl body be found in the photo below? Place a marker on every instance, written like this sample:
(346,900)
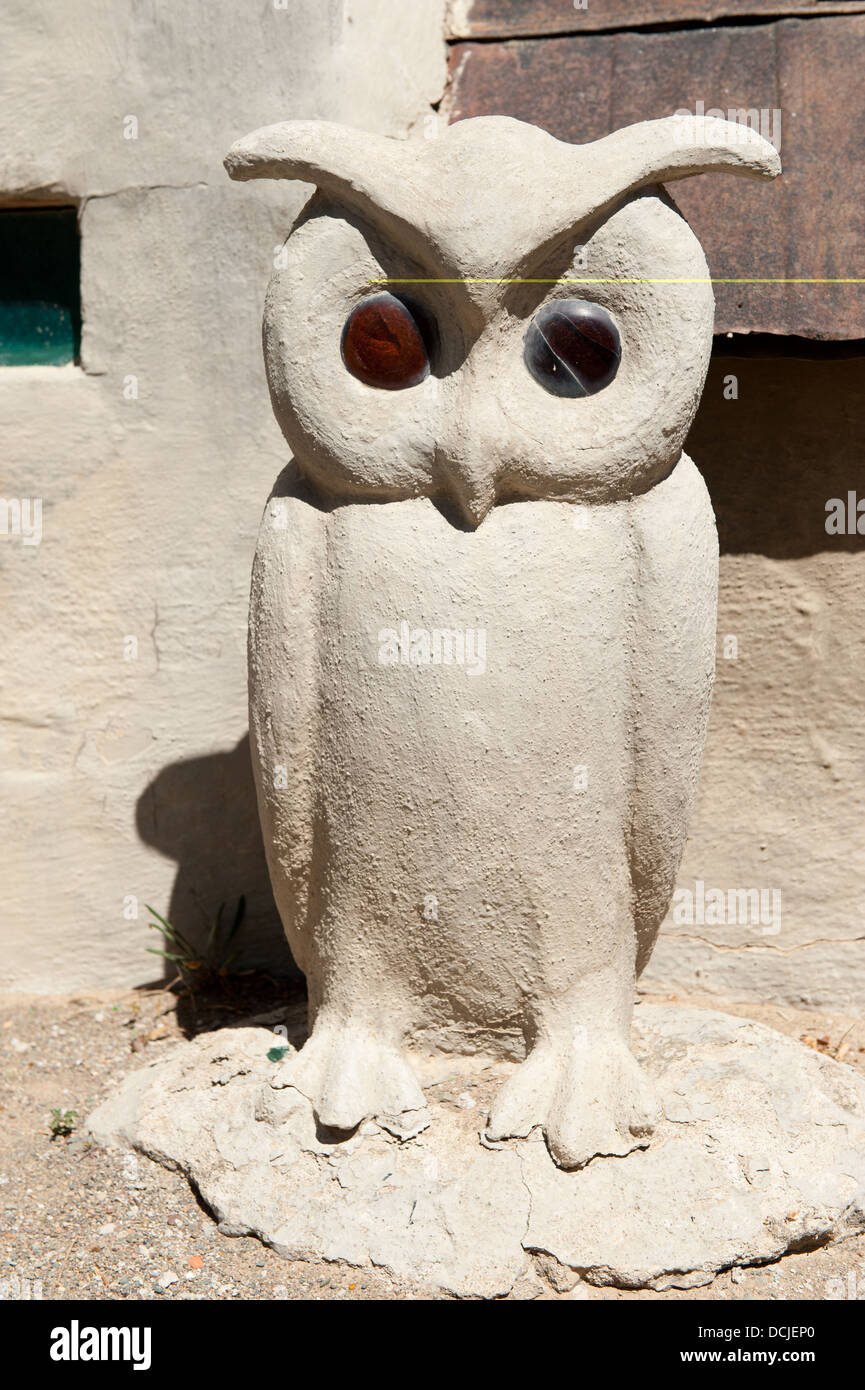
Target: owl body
(482,623)
(473,724)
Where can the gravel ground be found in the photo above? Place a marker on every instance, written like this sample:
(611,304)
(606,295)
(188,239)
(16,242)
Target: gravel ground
(81,1223)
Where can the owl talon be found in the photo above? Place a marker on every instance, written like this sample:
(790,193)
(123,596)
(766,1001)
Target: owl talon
(525,1098)
(350,1075)
(590,1098)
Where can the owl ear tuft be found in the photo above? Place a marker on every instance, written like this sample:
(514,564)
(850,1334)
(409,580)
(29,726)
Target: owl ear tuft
(677,147)
(332,156)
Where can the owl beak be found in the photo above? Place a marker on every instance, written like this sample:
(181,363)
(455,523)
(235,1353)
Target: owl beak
(467,484)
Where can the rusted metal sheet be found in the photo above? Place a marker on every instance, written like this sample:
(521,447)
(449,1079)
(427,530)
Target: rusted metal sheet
(483,19)
(807,79)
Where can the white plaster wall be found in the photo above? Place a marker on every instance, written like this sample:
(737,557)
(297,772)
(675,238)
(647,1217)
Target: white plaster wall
(115,772)
(781,793)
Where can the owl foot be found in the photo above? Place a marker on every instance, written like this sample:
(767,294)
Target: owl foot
(350,1075)
(589,1096)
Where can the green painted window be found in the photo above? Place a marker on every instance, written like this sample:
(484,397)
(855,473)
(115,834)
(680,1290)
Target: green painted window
(40,295)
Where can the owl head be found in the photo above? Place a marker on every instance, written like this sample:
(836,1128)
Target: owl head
(493,314)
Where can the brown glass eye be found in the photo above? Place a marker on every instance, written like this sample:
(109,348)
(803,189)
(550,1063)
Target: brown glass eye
(573,348)
(386,342)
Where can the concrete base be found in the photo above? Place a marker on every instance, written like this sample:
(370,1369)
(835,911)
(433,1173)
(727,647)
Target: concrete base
(762,1152)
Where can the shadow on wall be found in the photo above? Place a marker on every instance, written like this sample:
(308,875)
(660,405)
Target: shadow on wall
(774,453)
(202,813)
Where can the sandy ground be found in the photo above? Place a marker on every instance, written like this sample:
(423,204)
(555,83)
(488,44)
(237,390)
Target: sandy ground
(81,1223)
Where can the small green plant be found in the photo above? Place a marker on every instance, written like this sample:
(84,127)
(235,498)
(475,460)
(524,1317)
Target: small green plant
(276,1054)
(63,1122)
(214,958)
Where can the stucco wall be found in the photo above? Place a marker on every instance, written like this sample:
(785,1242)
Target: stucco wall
(124,779)
(782,793)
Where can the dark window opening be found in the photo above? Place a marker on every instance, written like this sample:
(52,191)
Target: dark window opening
(40,294)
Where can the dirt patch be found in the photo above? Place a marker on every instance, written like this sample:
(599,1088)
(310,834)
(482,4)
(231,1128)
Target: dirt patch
(81,1223)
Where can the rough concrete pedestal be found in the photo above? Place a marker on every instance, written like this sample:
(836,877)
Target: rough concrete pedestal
(762,1152)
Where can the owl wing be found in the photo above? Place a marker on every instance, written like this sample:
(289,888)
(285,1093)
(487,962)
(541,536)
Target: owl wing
(285,595)
(674,629)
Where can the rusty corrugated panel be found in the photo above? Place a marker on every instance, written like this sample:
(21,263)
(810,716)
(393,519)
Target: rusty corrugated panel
(809,223)
(483,19)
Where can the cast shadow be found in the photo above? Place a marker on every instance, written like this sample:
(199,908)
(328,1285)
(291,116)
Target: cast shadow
(202,813)
(774,453)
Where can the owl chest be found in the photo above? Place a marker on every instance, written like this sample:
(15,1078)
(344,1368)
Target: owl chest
(467,645)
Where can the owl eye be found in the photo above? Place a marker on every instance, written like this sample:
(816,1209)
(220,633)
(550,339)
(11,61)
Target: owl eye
(387,342)
(573,348)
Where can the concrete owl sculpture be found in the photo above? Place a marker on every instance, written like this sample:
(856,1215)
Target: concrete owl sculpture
(483,608)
